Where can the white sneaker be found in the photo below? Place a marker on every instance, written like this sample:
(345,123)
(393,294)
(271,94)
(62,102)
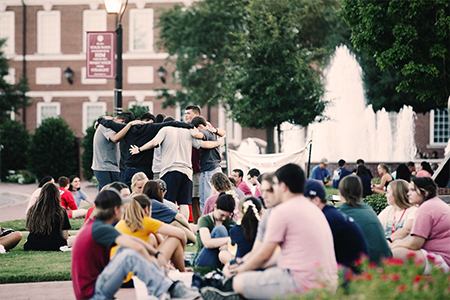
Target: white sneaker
(2,249)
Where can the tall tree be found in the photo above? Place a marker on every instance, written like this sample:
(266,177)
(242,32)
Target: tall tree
(199,38)
(280,56)
(406,37)
(12,96)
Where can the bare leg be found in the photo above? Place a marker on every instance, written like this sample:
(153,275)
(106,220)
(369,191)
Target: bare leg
(225,256)
(172,249)
(189,234)
(184,210)
(71,240)
(196,214)
(402,253)
(237,284)
(79,213)
(11,240)
(378,191)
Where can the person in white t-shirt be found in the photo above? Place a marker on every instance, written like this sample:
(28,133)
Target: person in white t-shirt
(397,219)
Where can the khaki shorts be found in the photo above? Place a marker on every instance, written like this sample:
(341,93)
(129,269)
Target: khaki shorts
(196,185)
(268,284)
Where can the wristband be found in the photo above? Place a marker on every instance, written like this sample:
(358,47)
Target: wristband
(389,239)
(139,149)
(157,253)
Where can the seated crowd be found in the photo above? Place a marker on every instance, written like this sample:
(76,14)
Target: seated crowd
(273,237)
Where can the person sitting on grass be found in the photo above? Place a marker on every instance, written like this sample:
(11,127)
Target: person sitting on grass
(78,194)
(385,179)
(137,221)
(397,219)
(221,184)
(350,191)
(244,234)
(213,232)
(47,222)
(163,213)
(95,276)
(137,183)
(430,234)
(349,241)
(67,200)
(36,193)
(8,239)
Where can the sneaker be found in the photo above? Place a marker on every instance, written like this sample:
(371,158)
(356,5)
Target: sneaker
(2,249)
(180,291)
(211,293)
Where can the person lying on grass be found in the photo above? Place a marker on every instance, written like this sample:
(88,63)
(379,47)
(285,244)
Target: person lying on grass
(137,222)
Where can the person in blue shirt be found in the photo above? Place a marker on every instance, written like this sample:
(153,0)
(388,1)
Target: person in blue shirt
(340,173)
(348,238)
(321,173)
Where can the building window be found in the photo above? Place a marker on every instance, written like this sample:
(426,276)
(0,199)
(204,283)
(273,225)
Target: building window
(93,20)
(47,110)
(141,30)
(91,112)
(49,32)
(7,31)
(439,133)
(146,104)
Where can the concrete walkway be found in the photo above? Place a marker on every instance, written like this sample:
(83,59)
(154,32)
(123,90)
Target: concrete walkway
(14,198)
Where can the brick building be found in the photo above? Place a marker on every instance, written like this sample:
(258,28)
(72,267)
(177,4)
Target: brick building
(44,38)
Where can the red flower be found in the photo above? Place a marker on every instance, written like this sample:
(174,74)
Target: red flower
(372,265)
(394,261)
(384,277)
(401,288)
(358,262)
(411,255)
(348,275)
(395,277)
(417,278)
(367,276)
(431,257)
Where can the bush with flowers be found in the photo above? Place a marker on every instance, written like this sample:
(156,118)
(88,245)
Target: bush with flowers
(392,279)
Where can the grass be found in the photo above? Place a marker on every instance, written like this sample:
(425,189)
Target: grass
(19,225)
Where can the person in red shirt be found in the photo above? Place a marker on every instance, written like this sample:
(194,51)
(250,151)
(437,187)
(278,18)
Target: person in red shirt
(237,175)
(95,276)
(67,200)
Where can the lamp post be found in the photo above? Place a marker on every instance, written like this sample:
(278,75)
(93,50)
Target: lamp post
(117,7)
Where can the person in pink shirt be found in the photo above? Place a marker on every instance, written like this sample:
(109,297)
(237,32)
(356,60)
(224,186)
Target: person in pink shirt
(237,175)
(67,200)
(252,177)
(301,265)
(430,234)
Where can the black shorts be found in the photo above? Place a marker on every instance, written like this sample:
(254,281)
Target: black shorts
(179,188)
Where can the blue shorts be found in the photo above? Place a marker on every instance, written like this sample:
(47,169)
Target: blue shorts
(179,188)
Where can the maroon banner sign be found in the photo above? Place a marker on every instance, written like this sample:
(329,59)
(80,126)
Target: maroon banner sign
(100,54)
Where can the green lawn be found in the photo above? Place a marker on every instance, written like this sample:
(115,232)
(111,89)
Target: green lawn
(19,225)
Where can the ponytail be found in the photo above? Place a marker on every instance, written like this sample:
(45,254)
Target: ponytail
(135,212)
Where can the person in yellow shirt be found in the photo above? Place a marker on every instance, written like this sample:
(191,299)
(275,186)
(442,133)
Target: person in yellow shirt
(137,222)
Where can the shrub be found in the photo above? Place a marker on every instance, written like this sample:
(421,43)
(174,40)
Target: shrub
(393,279)
(377,201)
(53,150)
(138,110)
(88,153)
(15,140)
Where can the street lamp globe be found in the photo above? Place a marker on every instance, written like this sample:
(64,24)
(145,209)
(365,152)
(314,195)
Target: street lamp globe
(113,6)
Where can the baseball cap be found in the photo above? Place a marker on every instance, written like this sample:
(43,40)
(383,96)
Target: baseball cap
(162,183)
(314,188)
(324,161)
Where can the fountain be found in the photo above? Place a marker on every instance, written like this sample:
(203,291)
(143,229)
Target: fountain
(352,129)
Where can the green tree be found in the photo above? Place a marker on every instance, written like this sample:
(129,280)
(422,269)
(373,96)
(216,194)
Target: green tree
(12,96)
(281,54)
(88,153)
(53,150)
(410,38)
(138,110)
(14,139)
(200,36)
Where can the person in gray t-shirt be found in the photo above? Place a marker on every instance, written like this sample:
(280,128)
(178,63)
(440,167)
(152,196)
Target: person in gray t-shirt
(106,152)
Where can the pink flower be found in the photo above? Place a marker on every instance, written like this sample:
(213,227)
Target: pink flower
(401,288)
(395,277)
(367,276)
(372,265)
(384,277)
(411,255)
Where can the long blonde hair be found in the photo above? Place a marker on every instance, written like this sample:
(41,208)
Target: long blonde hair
(137,177)
(400,192)
(40,216)
(135,212)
